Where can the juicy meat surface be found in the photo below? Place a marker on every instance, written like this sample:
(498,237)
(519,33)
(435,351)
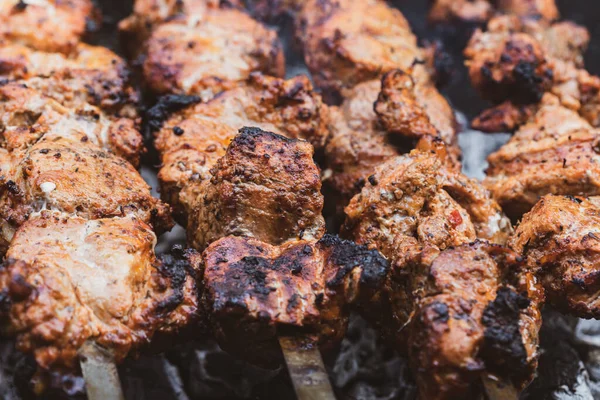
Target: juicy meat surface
(559,241)
(266,187)
(555,152)
(347,42)
(75,177)
(479,11)
(193,139)
(49,25)
(66,280)
(207,52)
(254,291)
(463,316)
(420,198)
(518,61)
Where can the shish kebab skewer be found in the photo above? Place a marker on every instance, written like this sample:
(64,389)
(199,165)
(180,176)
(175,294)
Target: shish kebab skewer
(196,137)
(78,221)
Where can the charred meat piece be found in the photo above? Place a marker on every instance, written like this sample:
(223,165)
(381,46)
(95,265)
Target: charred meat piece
(480,11)
(88,74)
(266,187)
(418,199)
(191,140)
(49,25)
(206,49)
(466,312)
(254,291)
(559,241)
(30,110)
(555,152)
(66,280)
(517,61)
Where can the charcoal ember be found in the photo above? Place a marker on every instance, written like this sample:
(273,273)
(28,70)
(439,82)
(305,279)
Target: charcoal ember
(151,378)
(367,369)
(209,372)
(588,332)
(562,374)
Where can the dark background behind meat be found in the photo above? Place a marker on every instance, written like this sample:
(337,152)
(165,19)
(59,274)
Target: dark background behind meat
(364,368)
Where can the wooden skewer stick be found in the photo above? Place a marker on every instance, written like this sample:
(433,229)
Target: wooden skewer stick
(497,389)
(100,373)
(306,368)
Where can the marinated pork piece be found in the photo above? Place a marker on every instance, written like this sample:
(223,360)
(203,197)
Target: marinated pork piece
(72,175)
(480,11)
(48,25)
(207,49)
(66,280)
(30,110)
(559,241)
(347,42)
(414,109)
(465,317)
(254,291)
(266,187)
(516,61)
(88,74)
(357,143)
(555,152)
(420,198)
(193,139)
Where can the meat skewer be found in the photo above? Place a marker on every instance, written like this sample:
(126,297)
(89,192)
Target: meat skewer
(458,302)
(78,221)
(204,176)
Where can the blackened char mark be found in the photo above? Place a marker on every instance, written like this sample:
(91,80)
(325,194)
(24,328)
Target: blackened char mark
(176,267)
(348,255)
(503,350)
(160,112)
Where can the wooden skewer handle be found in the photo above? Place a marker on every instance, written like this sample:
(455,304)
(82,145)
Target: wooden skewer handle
(100,373)
(306,368)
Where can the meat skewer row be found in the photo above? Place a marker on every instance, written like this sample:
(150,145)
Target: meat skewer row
(460,304)
(79,224)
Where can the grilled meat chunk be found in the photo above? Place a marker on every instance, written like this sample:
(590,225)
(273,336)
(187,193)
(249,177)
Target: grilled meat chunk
(50,25)
(517,61)
(67,280)
(463,316)
(479,11)
(193,139)
(28,113)
(414,108)
(556,152)
(254,291)
(208,50)
(266,186)
(419,198)
(348,42)
(77,177)
(357,143)
(559,239)
(88,74)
